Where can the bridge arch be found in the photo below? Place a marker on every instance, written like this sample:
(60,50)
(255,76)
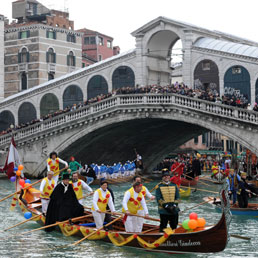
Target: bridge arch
(123,76)
(26,113)
(237,83)
(6,119)
(206,75)
(96,85)
(48,104)
(72,95)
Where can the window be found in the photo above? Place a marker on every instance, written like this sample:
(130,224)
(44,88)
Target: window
(196,140)
(24,34)
(101,41)
(206,65)
(51,56)
(51,76)
(71,38)
(100,57)
(23,56)
(51,34)
(109,44)
(23,81)
(71,59)
(83,65)
(203,138)
(236,70)
(90,41)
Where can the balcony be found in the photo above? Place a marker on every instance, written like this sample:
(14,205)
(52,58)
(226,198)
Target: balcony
(23,67)
(51,68)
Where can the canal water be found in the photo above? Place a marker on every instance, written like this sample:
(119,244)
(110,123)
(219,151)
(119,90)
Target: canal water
(38,243)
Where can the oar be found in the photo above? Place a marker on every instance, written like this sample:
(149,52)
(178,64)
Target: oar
(94,232)
(241,237)
(194,178)
(195,206)
(20,223)
(52,225)
(10,195)
(203,190)
(155,187)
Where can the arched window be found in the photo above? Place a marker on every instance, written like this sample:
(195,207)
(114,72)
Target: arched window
(96,86)
(6,119)
(51,56)
(26,113)
(123,76)
(24,83)
(71,59)
(48,104)
(206,76)
(237,83)
(72,95)
(23,56)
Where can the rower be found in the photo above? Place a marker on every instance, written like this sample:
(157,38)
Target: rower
(53,164)
(101,198)
(243,192)
(176,179)
(78,186)
(167,196)
(46,188)
(214,169)
(74,165)
(232,181)
(133,202)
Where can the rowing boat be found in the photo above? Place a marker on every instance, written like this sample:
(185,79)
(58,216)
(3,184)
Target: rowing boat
(209,239)
(185,193)
(251,210)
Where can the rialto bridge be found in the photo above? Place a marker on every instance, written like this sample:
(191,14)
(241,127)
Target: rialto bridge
(109,131)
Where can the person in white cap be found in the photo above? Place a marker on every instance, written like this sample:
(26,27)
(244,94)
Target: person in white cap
(46,188)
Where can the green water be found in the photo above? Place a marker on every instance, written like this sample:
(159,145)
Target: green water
(37,244)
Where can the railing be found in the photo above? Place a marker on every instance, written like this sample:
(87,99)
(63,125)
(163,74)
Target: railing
(147,100)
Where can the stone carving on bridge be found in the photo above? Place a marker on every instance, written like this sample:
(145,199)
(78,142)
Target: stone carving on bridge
(44,150)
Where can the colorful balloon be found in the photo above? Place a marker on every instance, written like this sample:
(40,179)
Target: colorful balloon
(21,182)
(20,167)
(15,169)
(18,173)
(28,181)
(13,178)
(193,215)
(192,224)
(201,222)
(185,224)
(26,185)
(27,215)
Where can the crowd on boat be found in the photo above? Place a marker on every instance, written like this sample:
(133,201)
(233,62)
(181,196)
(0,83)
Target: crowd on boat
(177,88)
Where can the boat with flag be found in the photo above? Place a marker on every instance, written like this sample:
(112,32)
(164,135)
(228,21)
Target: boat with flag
(206,239)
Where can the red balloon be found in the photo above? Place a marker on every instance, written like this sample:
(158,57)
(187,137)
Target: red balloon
(22,182)
(193,215)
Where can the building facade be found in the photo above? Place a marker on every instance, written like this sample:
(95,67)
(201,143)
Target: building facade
(1,57)
(39,47)
(96,47)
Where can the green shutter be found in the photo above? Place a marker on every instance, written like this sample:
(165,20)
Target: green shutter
(54,35)
(74,61)
(47,57)
(68,63)
(19,57)
(28,57)
(74,39)
(54,57)
(47,34)
(19,35)
(67,37)
(28,33)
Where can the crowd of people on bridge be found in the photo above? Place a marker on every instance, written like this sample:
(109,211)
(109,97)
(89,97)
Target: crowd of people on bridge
(177,88)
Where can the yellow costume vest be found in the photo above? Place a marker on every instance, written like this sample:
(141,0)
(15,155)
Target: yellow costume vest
(48,189)
(102,202)
(132,204)
(77,189)
(215,169)
(54,166)
(168,193)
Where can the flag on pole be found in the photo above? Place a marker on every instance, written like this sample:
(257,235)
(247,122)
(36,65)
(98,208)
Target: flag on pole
(12,160)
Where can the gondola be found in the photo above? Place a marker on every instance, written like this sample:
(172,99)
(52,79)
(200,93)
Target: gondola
(251,210)
(209,239)
(187,182)
(185,193)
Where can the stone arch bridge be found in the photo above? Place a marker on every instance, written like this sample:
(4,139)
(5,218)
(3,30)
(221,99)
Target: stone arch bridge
(108,131)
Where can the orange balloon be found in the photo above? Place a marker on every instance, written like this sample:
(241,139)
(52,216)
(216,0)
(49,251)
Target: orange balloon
(192,224)
(20,167)
(27,184)
(201,222)
(18,173)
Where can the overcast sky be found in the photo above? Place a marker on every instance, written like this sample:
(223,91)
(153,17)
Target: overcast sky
(118,18)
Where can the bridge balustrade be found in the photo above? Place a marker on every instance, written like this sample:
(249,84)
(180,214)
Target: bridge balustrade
(134,99)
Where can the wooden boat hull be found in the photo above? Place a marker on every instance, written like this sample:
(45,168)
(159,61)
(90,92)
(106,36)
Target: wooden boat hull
(251,210)
(186,182)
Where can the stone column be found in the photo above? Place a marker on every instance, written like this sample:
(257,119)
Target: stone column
(1,57)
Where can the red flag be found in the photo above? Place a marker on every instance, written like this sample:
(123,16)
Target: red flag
(12,159)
